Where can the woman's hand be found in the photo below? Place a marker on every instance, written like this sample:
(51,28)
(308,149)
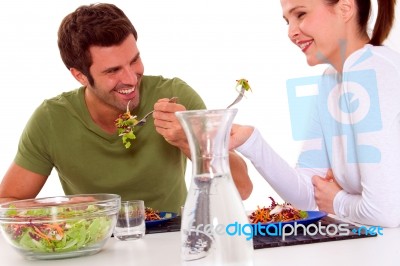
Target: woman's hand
(239,135)
(325,190)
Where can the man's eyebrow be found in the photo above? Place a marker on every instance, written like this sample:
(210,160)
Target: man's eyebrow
(135,57)
(111,69)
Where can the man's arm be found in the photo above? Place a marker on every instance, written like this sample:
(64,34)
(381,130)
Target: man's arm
(240,175)
(19,183)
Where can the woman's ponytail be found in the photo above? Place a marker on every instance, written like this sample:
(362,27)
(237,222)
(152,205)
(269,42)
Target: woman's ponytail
(384,21)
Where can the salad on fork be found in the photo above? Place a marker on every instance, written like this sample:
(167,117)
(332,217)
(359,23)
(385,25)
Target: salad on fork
(126,122)
(244,86)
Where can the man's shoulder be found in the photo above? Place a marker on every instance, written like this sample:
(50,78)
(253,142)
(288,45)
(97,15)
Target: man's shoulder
(70,100)
(149,80)
(68,97)
(157,87)
(160,86)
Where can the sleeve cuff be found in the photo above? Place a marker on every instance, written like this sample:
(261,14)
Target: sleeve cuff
(246,148)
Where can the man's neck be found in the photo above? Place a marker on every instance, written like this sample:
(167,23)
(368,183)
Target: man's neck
(101,114)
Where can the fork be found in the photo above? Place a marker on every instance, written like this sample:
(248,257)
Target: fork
(142,121)
(238,98)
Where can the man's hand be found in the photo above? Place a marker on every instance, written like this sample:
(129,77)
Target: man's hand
(325,190)
(168,125)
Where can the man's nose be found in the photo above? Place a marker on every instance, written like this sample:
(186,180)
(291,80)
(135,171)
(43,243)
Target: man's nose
(129,76)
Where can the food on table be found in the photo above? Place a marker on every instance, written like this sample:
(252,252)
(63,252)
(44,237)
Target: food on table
(66,233)
(276,213)
(125,124)
(152,215)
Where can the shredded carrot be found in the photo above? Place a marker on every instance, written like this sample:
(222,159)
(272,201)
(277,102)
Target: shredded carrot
(263,215)
(51,227)
(39,233)
(57,227)
(152,215)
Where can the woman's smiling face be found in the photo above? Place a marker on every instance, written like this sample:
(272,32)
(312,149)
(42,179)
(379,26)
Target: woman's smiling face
(317,29)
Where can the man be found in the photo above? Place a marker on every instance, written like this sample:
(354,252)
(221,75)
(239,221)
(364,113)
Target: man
(75,132)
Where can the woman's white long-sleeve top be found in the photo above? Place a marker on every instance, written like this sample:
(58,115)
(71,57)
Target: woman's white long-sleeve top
(353,128)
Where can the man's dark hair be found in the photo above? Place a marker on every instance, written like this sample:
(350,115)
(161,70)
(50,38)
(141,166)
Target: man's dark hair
(95,24)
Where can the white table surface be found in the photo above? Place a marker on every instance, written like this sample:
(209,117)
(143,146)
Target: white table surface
(164,249)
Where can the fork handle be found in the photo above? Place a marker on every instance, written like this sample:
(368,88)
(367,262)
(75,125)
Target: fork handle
(143,120)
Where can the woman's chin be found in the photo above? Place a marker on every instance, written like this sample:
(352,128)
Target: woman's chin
(314,62)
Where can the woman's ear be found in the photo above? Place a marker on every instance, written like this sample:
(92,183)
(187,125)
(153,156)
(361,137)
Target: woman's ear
(348,9)
(79,76)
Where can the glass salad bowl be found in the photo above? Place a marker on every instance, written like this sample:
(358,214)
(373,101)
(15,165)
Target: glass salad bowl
(59,227)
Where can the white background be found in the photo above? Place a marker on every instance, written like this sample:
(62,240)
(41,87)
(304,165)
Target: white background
(207,43)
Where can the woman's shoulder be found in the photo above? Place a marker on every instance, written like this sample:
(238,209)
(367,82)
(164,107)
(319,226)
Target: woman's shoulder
(373,57)
(383,50)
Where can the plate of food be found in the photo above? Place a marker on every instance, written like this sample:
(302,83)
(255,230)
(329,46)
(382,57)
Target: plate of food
(281,214)
(154,217)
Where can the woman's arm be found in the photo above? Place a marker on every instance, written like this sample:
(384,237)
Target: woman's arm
(293,185)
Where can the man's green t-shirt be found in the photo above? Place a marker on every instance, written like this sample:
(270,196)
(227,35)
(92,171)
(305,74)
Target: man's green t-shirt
(61,134)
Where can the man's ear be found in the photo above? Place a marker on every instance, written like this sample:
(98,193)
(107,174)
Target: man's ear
(79,76)
(348,9)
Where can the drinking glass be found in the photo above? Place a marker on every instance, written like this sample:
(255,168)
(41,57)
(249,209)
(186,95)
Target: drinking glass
(131,221)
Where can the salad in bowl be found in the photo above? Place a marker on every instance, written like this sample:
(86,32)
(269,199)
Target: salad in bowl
(59,227)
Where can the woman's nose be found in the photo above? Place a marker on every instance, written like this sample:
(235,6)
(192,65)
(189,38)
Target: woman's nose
(293,32)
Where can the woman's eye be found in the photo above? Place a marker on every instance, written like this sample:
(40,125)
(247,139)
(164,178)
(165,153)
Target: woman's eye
(300,15)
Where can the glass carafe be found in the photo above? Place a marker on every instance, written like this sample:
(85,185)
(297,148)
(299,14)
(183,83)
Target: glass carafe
(215,229)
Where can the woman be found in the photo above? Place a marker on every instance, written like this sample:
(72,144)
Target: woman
(350,163)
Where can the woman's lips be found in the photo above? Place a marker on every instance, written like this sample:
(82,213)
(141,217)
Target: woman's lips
(304,45)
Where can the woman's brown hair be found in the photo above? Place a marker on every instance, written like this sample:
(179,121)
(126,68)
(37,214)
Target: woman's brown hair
(384,19)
